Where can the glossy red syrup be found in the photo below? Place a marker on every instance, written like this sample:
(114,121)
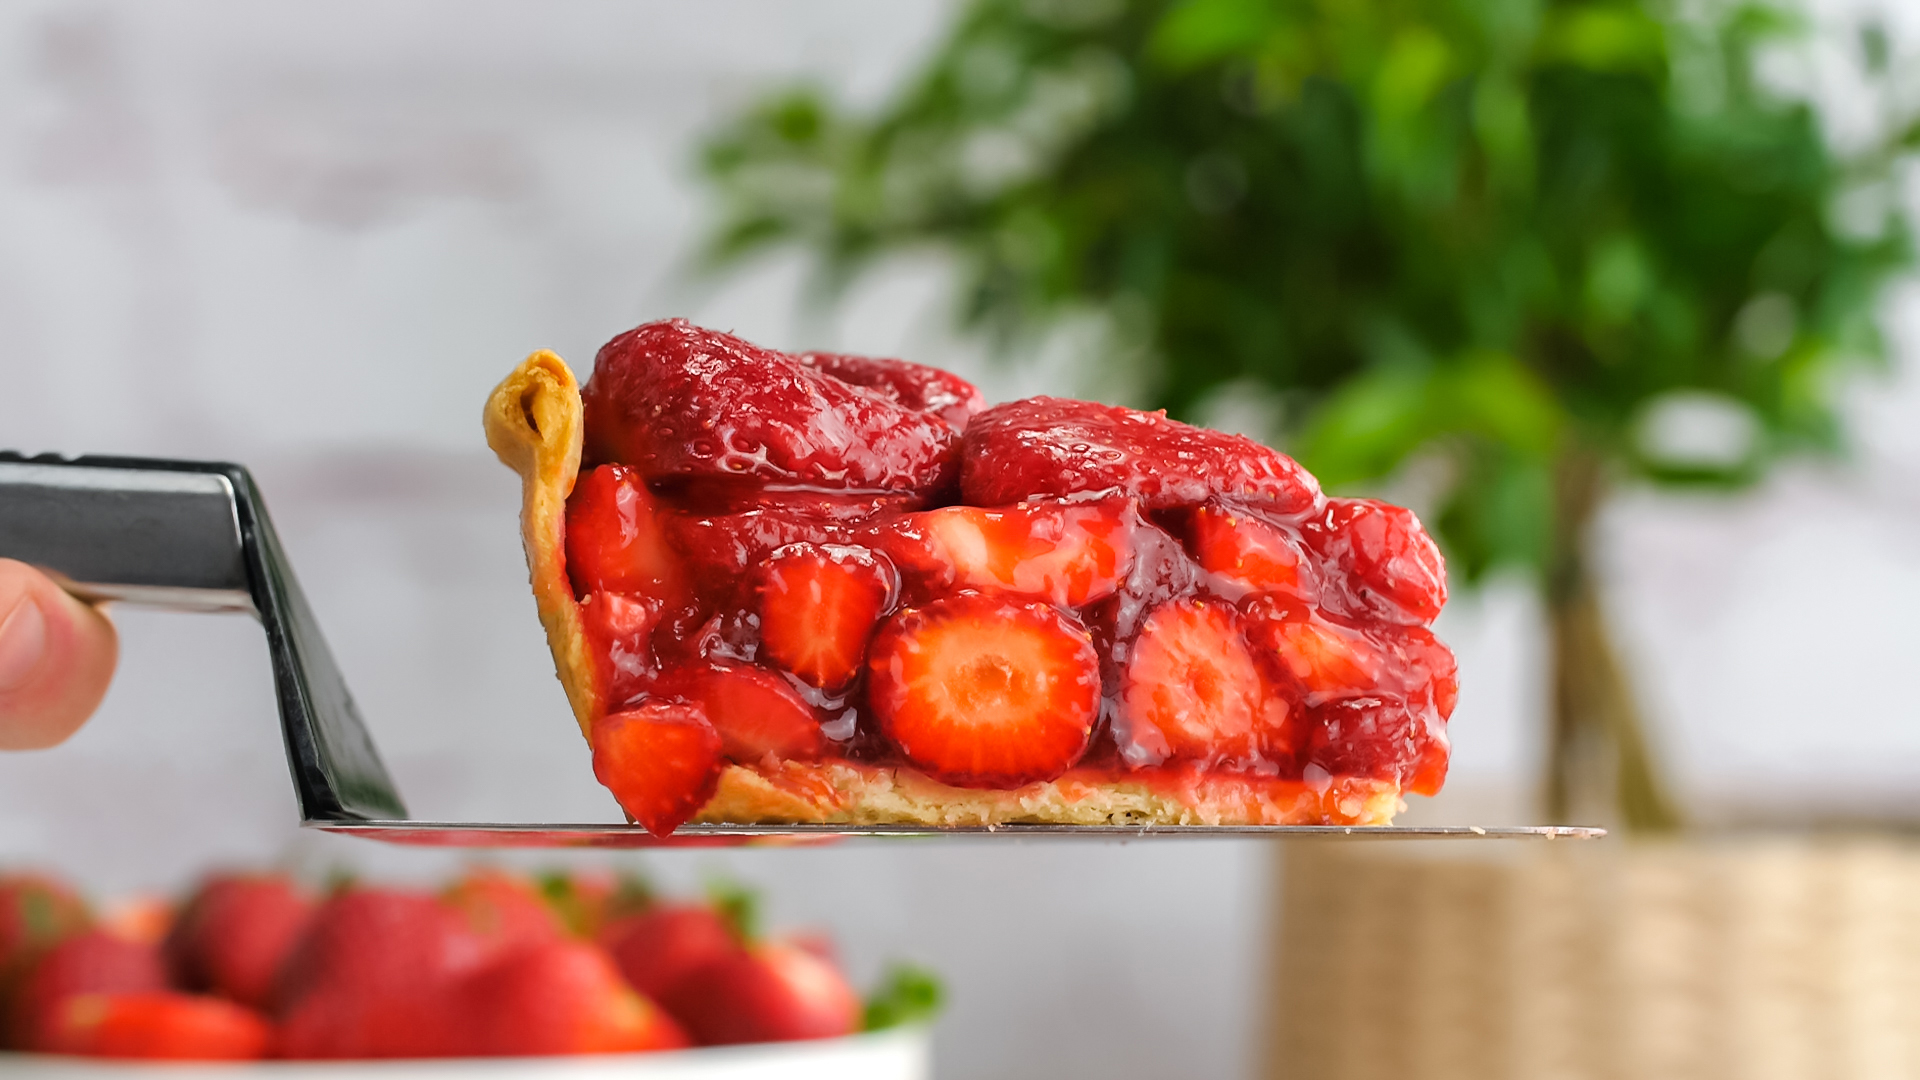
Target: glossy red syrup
(814,557)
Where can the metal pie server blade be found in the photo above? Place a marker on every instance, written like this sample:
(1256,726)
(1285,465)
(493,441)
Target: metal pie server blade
(195,536)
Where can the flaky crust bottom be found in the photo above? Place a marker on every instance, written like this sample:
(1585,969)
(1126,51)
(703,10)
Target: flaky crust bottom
(534,423)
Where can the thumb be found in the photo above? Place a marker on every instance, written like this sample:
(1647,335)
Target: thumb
(56,657)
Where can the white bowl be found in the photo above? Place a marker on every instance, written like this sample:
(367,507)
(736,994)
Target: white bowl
(901,1054)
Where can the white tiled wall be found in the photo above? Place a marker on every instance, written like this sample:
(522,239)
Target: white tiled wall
(311,237)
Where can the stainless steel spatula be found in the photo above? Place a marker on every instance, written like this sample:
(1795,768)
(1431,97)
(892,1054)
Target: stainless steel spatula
(195,536)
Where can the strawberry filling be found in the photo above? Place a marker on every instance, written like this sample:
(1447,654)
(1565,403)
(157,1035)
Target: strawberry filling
(802,559)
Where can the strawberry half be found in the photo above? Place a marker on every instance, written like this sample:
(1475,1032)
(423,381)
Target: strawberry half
(1393,569)
(1324,657)
(1192,689)
(1253,554)
(755,711)
(1067,553)
(982,691)
(1378,736)
(614,539)
(818,604)
(661,759)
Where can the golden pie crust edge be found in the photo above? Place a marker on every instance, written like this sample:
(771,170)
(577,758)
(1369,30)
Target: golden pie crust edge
(534,423)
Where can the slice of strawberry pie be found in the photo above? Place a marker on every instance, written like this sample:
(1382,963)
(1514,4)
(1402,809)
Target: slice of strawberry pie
(834,589)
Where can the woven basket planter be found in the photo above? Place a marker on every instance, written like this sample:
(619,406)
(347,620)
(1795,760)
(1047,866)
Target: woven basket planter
(1711,959)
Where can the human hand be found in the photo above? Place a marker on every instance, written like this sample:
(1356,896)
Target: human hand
(56,657)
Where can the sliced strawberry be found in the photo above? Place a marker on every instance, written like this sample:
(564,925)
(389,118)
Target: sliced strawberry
(614,539)
(1066,553)
(1324,657)
(981,691)
(1379,736)
(755,711)
(818,604)
(1426,668)
(1250,552)
(661,759)
(620,629)
(1192,690)
(1393,570)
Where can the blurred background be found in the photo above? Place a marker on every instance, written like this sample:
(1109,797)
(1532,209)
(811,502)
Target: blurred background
(1615,294)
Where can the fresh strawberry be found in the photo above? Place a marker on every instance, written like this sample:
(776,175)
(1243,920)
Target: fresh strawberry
(1247,550)
(620,631)
(818,604)
(921,388)
(157,1025)
(1049,447)
(984,691)
(504,910)
(768,992)
(678,402)
(1067,553)
(36,913)
(373,977)
(614,539)
(557,997)
(756,712)
(234,933)
(1325,658)
(1381,737)
(661,759)
(1392,569)
(657,948)
(92,962)
(1191,690)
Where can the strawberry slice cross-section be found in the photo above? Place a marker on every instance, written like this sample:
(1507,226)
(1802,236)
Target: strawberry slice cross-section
(818,605)
(1192,690)
(982,691)
(661,759)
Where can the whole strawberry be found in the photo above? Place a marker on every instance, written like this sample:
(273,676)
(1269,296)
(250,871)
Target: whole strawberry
(93,962)
(373,977)
(504,910)
(35,913)
(234,934)
(765,992)
(658,947)
(157,1025)
(556,997)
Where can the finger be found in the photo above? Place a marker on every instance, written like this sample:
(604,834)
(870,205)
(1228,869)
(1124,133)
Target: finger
(56,658)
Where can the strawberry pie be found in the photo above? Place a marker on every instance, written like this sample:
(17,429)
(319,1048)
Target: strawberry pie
(816,588)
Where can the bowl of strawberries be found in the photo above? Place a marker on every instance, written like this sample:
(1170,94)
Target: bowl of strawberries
(570,975)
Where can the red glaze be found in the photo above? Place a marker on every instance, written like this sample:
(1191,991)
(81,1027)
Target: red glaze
(795,559)
(661,946)
(680,402)
(92,962)
(159,1025)
(915,386)
(818,606)
(769,992)
(556,997)
(1051,447)
(374,976)
(985,692)
(234,933)
(661,759)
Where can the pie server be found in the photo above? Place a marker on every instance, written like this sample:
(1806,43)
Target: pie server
(195,536)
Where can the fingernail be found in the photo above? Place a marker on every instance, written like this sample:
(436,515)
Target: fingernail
(23,642)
